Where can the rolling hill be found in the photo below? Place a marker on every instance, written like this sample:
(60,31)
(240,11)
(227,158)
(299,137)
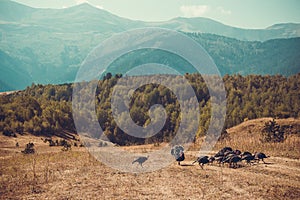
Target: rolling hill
(48,45)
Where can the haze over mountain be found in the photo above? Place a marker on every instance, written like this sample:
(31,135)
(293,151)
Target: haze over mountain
(48,45)
(85,17)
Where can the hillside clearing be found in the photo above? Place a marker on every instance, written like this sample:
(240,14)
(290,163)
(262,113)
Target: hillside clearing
(55,174)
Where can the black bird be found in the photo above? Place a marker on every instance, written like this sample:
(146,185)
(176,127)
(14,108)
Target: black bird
(229,153)
(141,160)
(260,156)
(202,161)
(234,160)
(248,158)
(226,158)
(219,159)
(246,153)
(223,151)
(178,152)
(226,149)
(237,152)
(211,159)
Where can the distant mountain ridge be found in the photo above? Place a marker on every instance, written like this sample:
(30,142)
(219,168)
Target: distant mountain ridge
(87,14)
(48,45)
(204,25)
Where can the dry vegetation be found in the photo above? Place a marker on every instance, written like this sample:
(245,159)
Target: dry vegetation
(55,174)
(247,137)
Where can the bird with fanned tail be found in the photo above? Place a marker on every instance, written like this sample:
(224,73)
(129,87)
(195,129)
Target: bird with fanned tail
(178,153)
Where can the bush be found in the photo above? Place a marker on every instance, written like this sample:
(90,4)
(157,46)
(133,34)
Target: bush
(81,145)
(102,144)
(273,132)
(62,142)
(224,135)
(66,147)
(8,132)
(51,142)
(29,149)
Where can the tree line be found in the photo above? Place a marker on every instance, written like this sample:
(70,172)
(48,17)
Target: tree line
(47,109)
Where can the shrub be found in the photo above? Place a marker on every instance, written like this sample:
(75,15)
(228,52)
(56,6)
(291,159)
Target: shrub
(224,135)
(29,149)
(62,142)
(8,132)
(102,144)
(272,132)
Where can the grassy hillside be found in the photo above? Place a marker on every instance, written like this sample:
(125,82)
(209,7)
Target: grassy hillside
(56,174)
(247,137)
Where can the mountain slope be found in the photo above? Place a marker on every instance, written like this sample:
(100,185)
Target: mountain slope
(13,74)
(50,44)
(278,56)
(11,11)
(231,56)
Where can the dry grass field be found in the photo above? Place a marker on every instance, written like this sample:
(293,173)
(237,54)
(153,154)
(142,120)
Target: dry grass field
(55,174)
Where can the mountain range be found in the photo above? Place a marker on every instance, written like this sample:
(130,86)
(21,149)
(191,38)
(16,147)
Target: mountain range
(48,45)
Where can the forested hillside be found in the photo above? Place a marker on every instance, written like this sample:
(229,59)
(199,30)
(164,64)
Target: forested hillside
(58,62)
(46,110)
(280,56)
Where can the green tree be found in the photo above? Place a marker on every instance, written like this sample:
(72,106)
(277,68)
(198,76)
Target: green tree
(273,132)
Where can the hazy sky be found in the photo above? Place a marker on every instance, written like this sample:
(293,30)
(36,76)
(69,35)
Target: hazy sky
(240,13)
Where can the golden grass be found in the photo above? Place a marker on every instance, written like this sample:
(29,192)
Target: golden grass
(75,174)
(27,174)
(247,137)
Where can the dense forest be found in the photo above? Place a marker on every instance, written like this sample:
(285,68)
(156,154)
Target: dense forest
(47,109)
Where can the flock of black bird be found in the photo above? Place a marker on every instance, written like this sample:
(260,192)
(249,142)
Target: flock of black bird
(225,155)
